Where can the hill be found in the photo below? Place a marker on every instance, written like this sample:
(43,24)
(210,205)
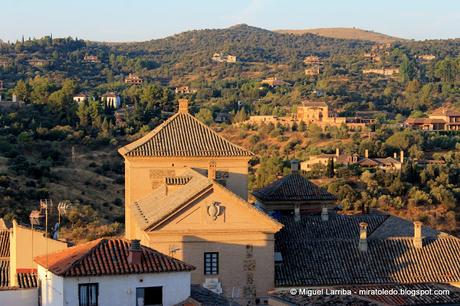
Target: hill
(346,33)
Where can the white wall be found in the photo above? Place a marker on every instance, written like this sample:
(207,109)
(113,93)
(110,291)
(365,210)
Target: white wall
(22,297)
(118,290)
(52,288)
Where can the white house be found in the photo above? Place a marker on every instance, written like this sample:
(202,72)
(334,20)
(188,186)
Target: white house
(80,98)
(112,271)
(112,100)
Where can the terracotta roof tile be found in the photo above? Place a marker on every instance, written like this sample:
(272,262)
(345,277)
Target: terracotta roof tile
(321,253)
(108,256)
(4,272)
(293,187)
(4,243)
(183,135)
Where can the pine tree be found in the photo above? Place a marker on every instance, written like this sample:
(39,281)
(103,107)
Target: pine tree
(330,168)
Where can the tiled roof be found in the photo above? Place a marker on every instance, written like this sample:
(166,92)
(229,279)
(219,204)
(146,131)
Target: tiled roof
(4,244)
(108,256)
(293,187)
(317,253)
(424,121)
(378,161)
(27,279)
(445,111)
(4,272)
(206,297)
(183,135)
(355,299)
(148,213)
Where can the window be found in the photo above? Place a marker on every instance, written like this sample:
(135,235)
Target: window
(211,263)
(87,294)
(149,296)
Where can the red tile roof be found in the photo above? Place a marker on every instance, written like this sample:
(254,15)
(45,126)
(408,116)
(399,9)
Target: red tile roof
(108,256)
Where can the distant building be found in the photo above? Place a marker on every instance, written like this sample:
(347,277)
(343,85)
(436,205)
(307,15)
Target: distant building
(184,90)
(4,62)
(312,71)
(425,57)
(267,119)
(221,58)
(441,119)
(112,271)
(112,100)
(387,163)
(81,97)
(91,59)
(222,117)
(312,60)
(274,82)
(39,63)
(133,79)
(384,71)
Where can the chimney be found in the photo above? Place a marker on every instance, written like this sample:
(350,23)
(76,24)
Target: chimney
(366,153)
(212,170)
(401,158)
(14,98)
(324,214)
(135,252)
(418,242)
(395,155)
(362,246)
(183,106)
(297,212)
(294,166)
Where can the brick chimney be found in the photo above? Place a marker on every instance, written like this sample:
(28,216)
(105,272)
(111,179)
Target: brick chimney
(135,252)
(418,242)
(212,170)
(294,166)
(366,153)
(324,214)
(362,246)
(337,152)
(183,106)
(401,156)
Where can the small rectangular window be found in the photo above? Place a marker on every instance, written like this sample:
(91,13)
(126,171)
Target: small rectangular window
(211,263)
(88,294)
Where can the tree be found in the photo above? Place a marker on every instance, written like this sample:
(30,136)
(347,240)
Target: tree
(240,116)
(407,70)
(330,168)
(205,116)
(21,91)
(40,90)
(447,70)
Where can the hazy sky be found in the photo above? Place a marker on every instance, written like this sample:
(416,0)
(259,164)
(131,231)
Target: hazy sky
(123,20)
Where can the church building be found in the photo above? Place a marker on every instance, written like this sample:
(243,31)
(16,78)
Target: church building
(186,196)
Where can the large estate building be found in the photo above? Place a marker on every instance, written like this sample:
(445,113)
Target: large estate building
(314,112)
(442,119)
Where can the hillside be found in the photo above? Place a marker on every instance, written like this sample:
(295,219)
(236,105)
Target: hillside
(346,33)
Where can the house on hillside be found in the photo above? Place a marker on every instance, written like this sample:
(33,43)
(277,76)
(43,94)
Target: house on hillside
(441,119)
(91,59)
(201,180)
(275,82)
(111,100)
(386,163)
(383,71)
(80,98)
(112,271)
(39,63)
(133,79)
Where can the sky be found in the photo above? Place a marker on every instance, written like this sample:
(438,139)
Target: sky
(139,20)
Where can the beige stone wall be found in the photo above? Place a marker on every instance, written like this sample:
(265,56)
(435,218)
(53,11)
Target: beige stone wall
(142,175)
(243,237)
